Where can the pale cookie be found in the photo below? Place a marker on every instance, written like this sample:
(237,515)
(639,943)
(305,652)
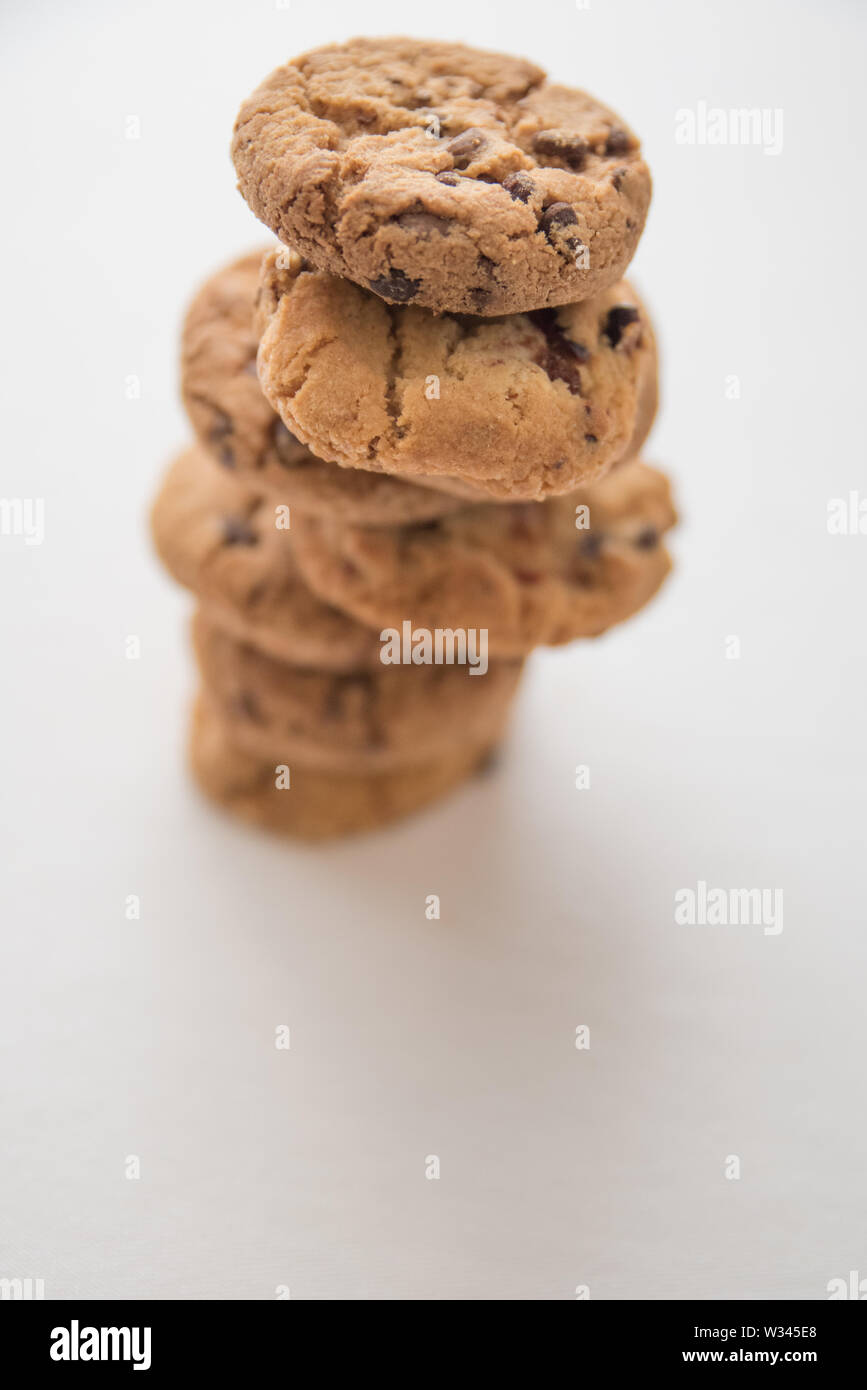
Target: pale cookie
(443,176)
(316,805)
(522,407)
(530,575)
(222,542)
(361,721)
(232,418)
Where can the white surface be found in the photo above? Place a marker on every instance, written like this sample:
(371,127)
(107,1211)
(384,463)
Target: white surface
(410,1037)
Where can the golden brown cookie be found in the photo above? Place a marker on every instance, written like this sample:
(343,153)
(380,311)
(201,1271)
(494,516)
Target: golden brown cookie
(315,805)
(221,541)
(364,721)
(443,176)
(235,422)
(520,408)
(528,573)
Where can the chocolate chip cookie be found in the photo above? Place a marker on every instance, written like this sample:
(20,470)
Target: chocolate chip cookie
(439,175)
(221,541)
(522,407)
(232,418)
(529,574)
(315,805)
(358,721)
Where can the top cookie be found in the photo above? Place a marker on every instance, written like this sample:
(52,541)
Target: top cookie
(443,176)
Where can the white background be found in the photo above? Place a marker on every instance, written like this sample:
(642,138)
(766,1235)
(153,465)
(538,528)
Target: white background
(409,1038)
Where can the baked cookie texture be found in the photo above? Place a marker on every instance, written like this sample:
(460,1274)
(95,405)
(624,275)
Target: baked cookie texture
(522,407)
(376,719)
(443,176)
(221,541)
(232,418)
(316,805)
(421,409)
(531,575)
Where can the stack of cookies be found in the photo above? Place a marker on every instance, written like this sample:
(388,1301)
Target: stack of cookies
(418,419)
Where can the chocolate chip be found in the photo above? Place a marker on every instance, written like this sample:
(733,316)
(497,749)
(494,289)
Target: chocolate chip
(490,762)
(395,285)
(556,222)
(353,693)
(617,178)
(618,141)
(291,453)
(591,545)
(562,144)
(226,455)
(247,707)
(560,356)
(220,426)
(448,178)
(647,539)
(465,146)
(619,318)
(519,186)
(558,215)
(590,439)
(521,528)
(528,576)
(238,531)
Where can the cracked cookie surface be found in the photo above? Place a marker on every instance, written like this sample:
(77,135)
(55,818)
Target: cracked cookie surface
(234,421)
(521,407)
(384,717)
(443,176)
(220,540)
(531,575)
(316,805)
